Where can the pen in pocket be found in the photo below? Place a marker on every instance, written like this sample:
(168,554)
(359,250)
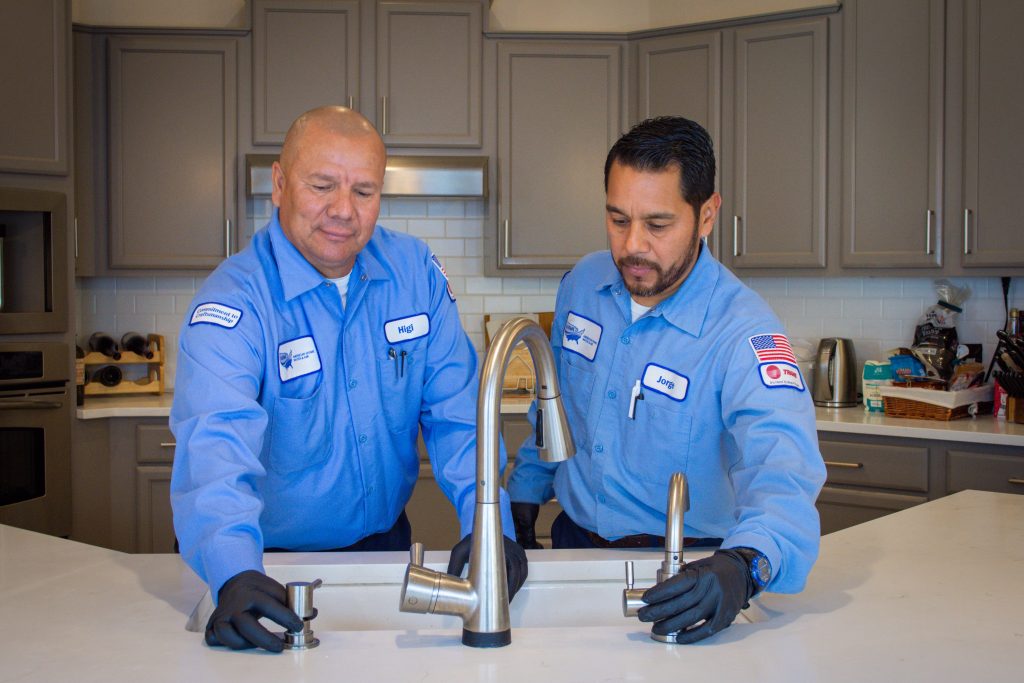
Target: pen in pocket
(635,395)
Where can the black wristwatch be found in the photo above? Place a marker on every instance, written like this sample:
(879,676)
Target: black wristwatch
(759,566)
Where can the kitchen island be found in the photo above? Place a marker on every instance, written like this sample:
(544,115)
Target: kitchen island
(930,593)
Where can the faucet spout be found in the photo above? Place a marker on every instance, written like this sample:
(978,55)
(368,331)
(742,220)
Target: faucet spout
(481,600)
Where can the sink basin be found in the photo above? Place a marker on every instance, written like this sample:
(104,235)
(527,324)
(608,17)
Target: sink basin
(360,591)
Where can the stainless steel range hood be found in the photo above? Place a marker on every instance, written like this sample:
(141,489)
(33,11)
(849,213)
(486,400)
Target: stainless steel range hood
(405,176)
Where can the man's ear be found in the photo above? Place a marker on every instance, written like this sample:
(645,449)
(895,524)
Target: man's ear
(277,178)
(708,214)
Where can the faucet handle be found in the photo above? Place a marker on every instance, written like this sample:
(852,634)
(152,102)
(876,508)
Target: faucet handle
(416,554)
(632,598)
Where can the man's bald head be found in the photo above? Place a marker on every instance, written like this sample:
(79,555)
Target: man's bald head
(333,119)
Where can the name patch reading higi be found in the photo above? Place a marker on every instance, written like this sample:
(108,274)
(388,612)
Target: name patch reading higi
(581,335)
(775,375)
(665,381)
(297,358)
(215,314)
(407,329)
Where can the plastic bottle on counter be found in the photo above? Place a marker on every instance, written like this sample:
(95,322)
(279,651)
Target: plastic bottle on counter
(1013,324)
(79,375)
(108,375)
(137,344)
(105,344)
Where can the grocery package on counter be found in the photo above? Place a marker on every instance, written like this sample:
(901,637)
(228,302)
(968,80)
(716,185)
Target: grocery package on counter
(935,338)
(877,374)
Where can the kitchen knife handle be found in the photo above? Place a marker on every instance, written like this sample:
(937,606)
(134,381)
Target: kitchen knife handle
(928,232)
(967,231)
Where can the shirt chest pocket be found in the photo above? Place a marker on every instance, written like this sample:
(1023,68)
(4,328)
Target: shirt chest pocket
(577,385)
(300,433)
(660,443)
(400,373)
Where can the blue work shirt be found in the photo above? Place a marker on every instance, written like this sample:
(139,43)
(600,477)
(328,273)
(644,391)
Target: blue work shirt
(718,405)
(296,419)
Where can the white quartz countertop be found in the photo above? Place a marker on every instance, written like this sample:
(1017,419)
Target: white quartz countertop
(985,429)
(928,594)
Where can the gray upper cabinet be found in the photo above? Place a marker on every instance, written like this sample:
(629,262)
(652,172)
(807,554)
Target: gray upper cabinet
(559,111)
(172,150)
(992,231)
(893,105)
(34,117)
(429,73)
(774,171)
(681,75)
(304,55)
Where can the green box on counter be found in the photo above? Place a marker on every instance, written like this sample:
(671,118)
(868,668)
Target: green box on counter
(877,373)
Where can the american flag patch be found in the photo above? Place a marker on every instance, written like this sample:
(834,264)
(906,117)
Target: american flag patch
(448,285)
(772,348)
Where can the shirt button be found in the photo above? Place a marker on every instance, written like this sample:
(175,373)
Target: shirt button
(601,499)
(362,438)
(369,490)
(612,394)
(362,278)
(599,448)
(353,384)
(624,339)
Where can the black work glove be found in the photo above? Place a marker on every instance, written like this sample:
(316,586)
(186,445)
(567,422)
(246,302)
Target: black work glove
(515,562)
(241,601)
(714,589)
(524,516)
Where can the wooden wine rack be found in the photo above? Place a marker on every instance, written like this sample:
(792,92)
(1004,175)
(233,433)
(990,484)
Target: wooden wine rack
(152,383)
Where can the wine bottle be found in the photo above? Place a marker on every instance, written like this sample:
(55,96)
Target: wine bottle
(105,344)
(136,343)
(108,375)
(79,375)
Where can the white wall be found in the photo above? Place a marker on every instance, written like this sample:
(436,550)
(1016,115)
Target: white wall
(877,313)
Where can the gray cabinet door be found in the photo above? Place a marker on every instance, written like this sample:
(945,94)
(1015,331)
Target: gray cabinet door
(172,151)
(992,232)
(304,55)
(429,73)
(154,522)
(559,111)
(35,39)
(776,126)
(682,76)
(893,97)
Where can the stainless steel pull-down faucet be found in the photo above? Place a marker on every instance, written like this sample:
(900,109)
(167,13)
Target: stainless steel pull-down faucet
(481,600)
(678,503)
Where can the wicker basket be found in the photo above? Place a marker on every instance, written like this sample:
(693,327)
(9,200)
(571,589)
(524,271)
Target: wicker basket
(920,403)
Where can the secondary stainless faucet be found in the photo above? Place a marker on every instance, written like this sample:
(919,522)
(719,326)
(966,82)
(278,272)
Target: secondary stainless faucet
(481,600)
(678,503)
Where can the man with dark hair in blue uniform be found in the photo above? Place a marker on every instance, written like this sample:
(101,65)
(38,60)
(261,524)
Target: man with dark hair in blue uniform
(307,364)
(669,363)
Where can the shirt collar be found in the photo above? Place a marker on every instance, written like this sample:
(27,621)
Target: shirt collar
(298,275)
(687,308)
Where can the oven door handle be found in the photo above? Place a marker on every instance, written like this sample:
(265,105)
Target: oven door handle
(16,405)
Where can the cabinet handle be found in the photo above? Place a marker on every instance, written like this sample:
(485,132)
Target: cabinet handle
(506,239)
(967,229)
(76,238)
(1015,481)
(227,238)
(844,465)
(735,235)
(167,444)
(351,102)
(384,115)
(928,232)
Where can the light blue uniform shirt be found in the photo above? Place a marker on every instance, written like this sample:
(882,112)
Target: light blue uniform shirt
(296,419)
(741,427)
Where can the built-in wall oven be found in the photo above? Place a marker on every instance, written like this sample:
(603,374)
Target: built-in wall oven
(35,437)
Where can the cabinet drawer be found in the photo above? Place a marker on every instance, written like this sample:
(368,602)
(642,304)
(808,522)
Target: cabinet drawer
(882,465)
(154,443)
(986,472)
(842,508)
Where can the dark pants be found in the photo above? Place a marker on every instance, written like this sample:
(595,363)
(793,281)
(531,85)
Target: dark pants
(398,537)
(566,533)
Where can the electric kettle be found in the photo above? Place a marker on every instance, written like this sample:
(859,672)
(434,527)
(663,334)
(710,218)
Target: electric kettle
(835,374)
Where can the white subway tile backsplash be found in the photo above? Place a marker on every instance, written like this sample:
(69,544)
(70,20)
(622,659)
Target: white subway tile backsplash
(878,313)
